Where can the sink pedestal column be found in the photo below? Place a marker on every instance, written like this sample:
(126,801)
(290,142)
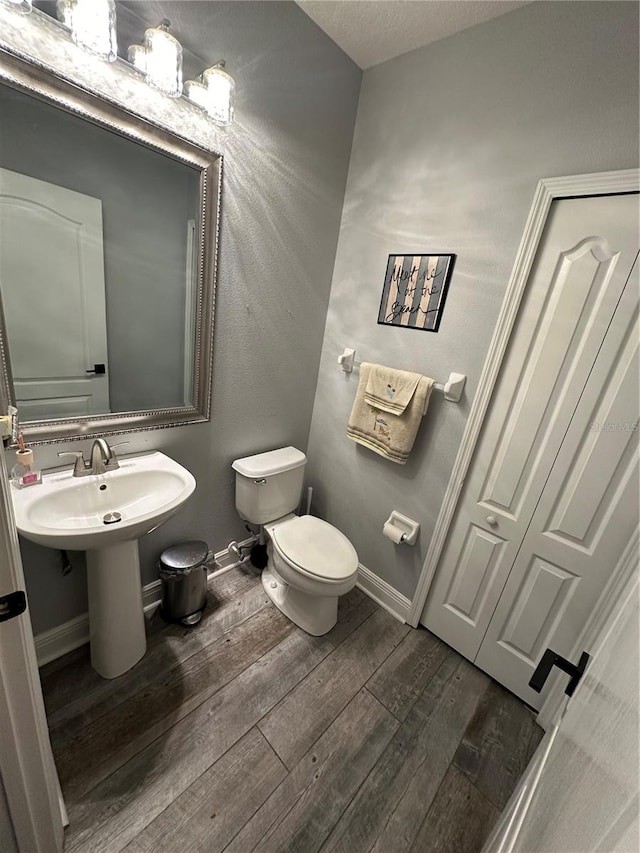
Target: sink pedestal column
(116,615)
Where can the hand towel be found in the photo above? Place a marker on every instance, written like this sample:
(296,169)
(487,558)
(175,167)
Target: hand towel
(392,436)
(388,389)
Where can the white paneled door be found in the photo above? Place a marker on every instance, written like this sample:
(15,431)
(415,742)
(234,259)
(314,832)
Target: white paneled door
(550,498)
(53,297)
(587,513)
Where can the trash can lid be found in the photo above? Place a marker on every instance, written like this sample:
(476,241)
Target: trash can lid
(184,555)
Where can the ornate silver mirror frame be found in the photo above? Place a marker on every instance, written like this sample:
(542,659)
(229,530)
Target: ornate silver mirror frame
(41,83)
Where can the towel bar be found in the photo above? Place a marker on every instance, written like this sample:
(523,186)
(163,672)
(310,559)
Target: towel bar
(452,388)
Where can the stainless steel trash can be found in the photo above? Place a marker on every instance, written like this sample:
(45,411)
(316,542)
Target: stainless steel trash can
(183,572)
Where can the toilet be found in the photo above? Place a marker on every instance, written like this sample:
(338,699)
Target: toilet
(311,563)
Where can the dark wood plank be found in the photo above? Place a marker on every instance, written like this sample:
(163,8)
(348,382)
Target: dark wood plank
(100,748)
(207,815)
(389,808)
(78,695)
(301,812)
(110,815)
(299,719)
(407,671)
(497,746)
(459,820)
(353,609)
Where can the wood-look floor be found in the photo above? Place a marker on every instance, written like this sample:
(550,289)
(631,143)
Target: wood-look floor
(245,734)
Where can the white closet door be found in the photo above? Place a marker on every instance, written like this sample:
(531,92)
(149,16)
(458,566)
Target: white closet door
(53,296)
(581,267)
(587,514)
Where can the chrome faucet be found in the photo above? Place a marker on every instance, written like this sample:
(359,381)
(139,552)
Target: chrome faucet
(101,461)
(102,457)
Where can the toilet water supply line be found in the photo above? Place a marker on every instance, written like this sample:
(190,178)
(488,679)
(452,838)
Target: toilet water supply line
(259,539)
(237,549)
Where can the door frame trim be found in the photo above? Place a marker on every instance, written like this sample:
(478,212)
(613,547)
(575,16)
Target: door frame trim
(27,766)
(548,189)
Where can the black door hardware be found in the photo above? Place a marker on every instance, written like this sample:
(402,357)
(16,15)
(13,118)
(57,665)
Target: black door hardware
(550,659)
(98,369)
(12,605)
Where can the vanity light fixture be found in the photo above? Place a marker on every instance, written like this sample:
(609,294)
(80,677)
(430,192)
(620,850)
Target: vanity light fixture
(214,93)
(92,24)
(159,58)
(24,6)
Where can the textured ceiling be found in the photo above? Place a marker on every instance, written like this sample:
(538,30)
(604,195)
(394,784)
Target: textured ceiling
(372,31)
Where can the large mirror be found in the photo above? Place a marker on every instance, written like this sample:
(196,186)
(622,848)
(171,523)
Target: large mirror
(108,242)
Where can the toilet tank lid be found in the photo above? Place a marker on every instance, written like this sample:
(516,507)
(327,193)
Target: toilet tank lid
(271,462)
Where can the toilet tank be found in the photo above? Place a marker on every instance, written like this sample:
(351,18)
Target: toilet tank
(269,485)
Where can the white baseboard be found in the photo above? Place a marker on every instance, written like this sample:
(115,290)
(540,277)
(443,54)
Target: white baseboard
(65,638)
(71,635)
(383,593)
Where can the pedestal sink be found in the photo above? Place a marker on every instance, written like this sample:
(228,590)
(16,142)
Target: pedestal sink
(104,515)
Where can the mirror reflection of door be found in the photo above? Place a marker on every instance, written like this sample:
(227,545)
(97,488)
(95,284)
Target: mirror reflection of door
(53,296)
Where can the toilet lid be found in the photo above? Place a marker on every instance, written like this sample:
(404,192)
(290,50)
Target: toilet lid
(316,547)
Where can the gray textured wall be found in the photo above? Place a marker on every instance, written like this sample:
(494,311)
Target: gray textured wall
(450,142)
(146,201)
(286,160)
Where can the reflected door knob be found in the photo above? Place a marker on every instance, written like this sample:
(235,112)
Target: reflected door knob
(492,521)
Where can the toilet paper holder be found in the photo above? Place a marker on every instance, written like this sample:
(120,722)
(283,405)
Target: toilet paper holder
(407,527)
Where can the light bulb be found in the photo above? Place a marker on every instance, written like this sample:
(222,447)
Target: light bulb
(197,93)
(137,56)
(92,24)
(163,61)
(220,94)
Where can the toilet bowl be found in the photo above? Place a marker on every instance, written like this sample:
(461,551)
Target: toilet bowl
(310,562)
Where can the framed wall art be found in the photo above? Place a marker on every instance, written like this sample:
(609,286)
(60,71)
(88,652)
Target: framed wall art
(414,292)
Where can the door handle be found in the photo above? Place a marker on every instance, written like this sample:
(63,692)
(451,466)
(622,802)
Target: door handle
(492,521)
(98,369)
(12,605)
(550,659)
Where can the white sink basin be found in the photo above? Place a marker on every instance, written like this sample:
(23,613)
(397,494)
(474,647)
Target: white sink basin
(69,512)
(72,513)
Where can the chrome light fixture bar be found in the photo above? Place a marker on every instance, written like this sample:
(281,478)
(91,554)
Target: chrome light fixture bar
(24,6)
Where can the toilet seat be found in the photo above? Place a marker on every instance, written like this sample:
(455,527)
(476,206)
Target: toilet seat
(315,548)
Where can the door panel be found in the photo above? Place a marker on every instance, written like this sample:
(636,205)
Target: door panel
(553,365)
(539,604)
(480,560)
(583,262)
(587,513)
(602,456)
